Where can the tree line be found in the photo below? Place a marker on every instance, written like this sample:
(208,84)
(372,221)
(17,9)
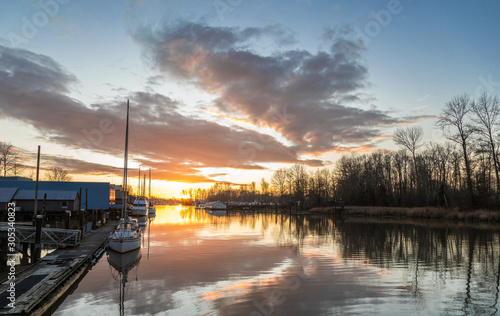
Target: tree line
(463,171)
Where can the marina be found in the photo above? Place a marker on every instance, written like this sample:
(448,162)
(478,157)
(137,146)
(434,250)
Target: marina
(41,285)
(260,158)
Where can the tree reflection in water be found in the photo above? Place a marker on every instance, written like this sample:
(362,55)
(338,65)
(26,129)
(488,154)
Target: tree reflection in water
(315,265)
(443,253)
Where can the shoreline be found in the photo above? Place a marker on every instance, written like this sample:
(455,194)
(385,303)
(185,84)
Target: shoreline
(453,214)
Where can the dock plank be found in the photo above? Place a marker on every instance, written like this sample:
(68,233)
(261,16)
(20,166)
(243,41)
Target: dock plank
(40,286)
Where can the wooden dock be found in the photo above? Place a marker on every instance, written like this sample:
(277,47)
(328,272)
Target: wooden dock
(49,236)
(40,286)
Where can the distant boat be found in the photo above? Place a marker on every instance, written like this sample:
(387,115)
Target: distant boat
(215,206)
(140,207)
(126,237)
(151,210)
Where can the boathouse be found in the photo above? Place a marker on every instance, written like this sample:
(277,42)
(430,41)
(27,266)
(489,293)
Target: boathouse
(95,195)
(54,200)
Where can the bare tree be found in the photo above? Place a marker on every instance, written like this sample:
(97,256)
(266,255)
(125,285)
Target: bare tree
(299,177)
(487,120)
(58,174)
(454,123)
(410,138)
(9,159)
(253,188)
(278,181)
(264,186)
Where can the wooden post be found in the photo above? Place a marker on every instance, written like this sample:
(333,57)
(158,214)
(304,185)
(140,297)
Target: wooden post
(35,210)
(25,258)
(67,217)
(94,219)
(36,186)
(86,207)
(80,209)
(37,249)
(44,204)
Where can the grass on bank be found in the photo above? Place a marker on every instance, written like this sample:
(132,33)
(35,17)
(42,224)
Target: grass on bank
(416,212)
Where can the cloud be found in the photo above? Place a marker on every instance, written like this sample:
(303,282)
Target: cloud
(425,97)
(33,90)
(419,108)
(302,95)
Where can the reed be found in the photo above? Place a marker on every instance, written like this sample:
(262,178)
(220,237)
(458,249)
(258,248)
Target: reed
(416,212)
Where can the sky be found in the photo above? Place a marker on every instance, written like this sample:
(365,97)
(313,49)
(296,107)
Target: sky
(232,90)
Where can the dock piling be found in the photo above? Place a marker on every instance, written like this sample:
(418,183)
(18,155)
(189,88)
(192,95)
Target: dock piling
(67,219)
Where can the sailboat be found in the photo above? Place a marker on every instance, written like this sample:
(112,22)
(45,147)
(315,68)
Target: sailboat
(126,237)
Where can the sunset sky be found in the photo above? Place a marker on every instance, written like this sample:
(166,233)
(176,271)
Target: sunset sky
(231,90)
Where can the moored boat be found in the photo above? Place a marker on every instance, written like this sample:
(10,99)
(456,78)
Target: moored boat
(215,206)
(126,237)
(140,207)
(151,210)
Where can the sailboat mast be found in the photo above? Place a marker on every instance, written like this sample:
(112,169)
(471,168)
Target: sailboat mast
(125,167)
(149,185)
(144,187)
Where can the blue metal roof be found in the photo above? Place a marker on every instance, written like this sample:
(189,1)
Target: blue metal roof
(51,195)
(6,194)
(98,192)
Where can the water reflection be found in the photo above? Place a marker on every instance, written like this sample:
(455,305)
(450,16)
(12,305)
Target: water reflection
(121,264)
(274,264)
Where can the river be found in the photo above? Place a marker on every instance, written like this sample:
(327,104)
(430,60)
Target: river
(194,263)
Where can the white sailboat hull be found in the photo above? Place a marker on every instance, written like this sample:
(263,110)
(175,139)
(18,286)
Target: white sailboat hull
(124,245)
(123,241)
(124,261)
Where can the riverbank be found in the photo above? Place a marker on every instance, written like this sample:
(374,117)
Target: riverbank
(414,212)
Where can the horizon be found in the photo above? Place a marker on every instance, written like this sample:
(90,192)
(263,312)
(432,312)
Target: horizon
(233,91)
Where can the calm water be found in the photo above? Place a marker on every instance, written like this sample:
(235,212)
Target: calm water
(193,263)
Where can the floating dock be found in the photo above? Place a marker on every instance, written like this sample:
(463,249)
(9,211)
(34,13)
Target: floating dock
(40,286)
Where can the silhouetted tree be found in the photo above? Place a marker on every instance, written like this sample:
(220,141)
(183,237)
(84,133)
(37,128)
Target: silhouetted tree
(454,122)
(58,174)
(487,120)
(278,181)
(10,159)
